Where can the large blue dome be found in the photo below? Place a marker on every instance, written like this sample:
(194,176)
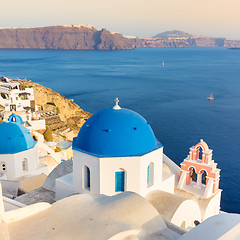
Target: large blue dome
(116,133)
(14,138)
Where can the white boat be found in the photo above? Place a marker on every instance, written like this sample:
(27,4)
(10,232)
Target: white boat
(210,98)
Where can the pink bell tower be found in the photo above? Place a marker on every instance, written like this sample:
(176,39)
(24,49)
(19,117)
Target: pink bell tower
(199,173)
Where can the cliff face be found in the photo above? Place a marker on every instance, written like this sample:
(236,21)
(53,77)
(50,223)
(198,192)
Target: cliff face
(232,43)
(83,37)
(175,42)
(181,39)
(112,41)
(72,117)
(62,37)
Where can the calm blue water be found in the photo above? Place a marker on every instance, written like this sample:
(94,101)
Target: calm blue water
(172,98)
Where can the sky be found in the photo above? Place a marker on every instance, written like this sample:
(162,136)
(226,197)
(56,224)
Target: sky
(142,18)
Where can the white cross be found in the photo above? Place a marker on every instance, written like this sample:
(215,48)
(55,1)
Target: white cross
(116,101)
(116,107)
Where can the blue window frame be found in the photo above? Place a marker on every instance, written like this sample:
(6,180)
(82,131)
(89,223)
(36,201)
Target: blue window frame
(119,181)
(150,174)
(88,177)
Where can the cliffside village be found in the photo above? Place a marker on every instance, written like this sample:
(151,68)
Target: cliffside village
(112,181)
(17,105)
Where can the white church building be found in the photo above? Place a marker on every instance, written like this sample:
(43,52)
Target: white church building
(117,151)
(18,151)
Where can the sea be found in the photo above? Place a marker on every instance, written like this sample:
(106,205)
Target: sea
(172,97)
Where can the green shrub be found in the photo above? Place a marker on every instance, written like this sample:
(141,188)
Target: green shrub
(57,109)
(48,135)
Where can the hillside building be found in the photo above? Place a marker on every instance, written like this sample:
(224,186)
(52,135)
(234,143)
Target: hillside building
(15,97)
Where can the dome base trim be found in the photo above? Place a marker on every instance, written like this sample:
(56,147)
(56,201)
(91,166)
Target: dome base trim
(15,151)
(157,146)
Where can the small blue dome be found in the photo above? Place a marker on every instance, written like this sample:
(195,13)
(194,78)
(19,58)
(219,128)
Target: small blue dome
(15,118)
(14,138)
(116,133)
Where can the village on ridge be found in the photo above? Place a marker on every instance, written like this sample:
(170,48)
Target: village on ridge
(113,181)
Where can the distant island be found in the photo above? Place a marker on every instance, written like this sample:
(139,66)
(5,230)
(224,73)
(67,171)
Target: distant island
(182,39)
(86,37)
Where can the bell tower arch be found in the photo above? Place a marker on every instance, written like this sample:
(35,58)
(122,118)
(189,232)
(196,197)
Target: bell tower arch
(199,173)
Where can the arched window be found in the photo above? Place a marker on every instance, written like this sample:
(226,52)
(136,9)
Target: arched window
(86,178)
(200,151)
(193,174)
(204,177)
(120,181)
(24,165)
(150,175)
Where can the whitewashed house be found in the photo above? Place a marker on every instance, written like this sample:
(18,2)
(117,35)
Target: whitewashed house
(15,98)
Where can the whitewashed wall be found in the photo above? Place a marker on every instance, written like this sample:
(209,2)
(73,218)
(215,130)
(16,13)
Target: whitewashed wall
(102,172)
(81,160)
(108,167)
(156,157)
(186,213)
(13,163)
(64,186)
(213,206)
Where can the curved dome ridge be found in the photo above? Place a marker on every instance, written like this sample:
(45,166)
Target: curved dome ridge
(14,138)
(116,133)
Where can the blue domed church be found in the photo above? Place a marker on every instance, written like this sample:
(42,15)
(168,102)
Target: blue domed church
(18,150)
(115,151)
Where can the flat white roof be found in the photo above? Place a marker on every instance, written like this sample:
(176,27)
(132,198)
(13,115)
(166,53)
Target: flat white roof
(10,204)
(4,90)
(9,84)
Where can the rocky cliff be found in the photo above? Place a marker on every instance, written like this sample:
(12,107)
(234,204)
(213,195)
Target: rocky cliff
(181,39)
(62,37)
(70,118)
(83,37)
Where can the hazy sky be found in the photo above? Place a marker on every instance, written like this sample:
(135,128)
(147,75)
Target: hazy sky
(220,18)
